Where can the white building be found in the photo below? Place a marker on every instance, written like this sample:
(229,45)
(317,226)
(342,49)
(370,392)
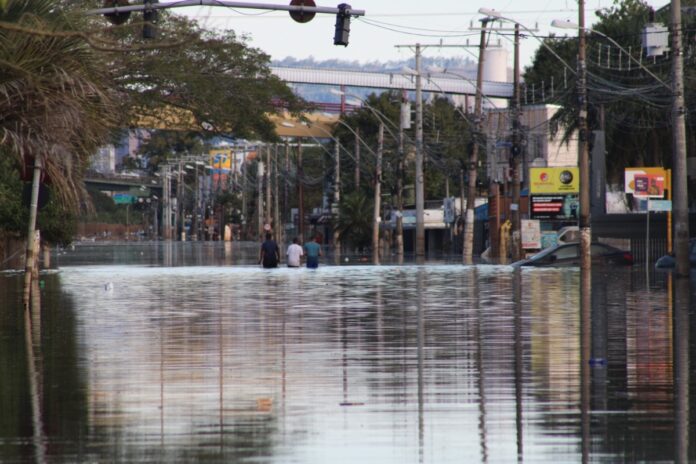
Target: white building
(540,150)
(104,161)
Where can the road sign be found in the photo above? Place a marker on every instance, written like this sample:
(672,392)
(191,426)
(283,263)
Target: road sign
(659,205)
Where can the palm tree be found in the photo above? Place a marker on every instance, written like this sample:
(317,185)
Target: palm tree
(54,103)
(354,222)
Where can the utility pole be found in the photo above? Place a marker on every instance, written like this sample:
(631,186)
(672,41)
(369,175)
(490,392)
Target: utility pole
(516,151)
(357,159)
(336,201)
(279,230)
(378,195)
(400,178)
(300,190)
(681,211)
(420,178)
(404,122)
(286,193)
(165,202)
(583,149)
(420,193)
(179,203)
(468,245)
(260,172)
(267,176)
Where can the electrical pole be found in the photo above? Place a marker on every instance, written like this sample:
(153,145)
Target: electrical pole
(400,179)
(268,177)
(279,231)
(357,159)
(679,165)
(260,172)
(378,195)
(583,149)
(420,193)
(468,245)
(336,201)
(300,190)
(516,151)
(179,203)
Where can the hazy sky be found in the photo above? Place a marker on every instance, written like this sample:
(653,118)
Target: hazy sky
(391,22)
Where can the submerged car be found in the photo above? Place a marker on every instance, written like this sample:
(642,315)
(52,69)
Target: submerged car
(667,261)
(568,254)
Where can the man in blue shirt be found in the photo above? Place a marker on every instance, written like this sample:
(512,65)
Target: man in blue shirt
(270,253)
(313,252)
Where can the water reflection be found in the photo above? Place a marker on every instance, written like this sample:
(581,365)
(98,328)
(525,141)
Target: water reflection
(161,361)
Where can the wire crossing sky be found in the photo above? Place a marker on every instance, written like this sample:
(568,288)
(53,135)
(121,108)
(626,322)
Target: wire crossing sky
(388,23)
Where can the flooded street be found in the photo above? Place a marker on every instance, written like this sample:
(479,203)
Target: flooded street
(193,353)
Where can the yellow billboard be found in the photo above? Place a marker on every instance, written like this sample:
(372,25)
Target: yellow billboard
(221,160)
(554,180)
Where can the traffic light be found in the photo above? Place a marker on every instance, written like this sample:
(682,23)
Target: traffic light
(150,20)
(342,25)
(116,18)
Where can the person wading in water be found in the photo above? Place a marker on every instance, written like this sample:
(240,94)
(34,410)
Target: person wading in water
(270,253)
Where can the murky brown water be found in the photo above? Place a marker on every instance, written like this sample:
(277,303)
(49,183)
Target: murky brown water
(192,353)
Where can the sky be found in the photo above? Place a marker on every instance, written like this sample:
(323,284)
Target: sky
(388,23)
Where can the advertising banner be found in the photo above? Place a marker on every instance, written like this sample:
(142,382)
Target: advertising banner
(554,207)
(531,234)
(645,182)
(554,180)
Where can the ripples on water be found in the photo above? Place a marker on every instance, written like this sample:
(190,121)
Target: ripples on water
(164,361)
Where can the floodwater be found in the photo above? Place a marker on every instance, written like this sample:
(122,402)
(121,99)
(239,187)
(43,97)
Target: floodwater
(192,353)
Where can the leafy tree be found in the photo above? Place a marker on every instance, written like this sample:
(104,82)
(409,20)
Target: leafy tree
(355,220)
(634,106)
(55,96)
(193,78)
(56,221)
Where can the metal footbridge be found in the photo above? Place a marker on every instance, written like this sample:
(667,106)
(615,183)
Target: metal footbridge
(439,83)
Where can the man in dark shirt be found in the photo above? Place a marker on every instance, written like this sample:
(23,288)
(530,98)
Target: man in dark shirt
(270,253)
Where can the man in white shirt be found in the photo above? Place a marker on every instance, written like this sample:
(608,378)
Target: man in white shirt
(294,253)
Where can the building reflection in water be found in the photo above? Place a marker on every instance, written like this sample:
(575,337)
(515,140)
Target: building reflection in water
(424,364)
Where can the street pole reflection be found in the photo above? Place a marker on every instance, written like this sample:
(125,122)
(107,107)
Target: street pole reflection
(32,339)
(585,353)
(517,298)
(681,368)
(599,328)
(478,336)
(221,381)
(420,335)
(161,408)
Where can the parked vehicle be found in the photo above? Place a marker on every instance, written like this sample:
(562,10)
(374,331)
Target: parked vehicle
(568,254)
(668,261)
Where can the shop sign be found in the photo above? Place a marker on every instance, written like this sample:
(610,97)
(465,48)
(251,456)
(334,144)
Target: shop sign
(554,180)
(554,207)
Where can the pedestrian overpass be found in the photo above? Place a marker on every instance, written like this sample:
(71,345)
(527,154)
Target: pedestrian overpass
(440,83)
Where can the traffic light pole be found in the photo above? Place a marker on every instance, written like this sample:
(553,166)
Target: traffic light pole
(300,13)
(228,4)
